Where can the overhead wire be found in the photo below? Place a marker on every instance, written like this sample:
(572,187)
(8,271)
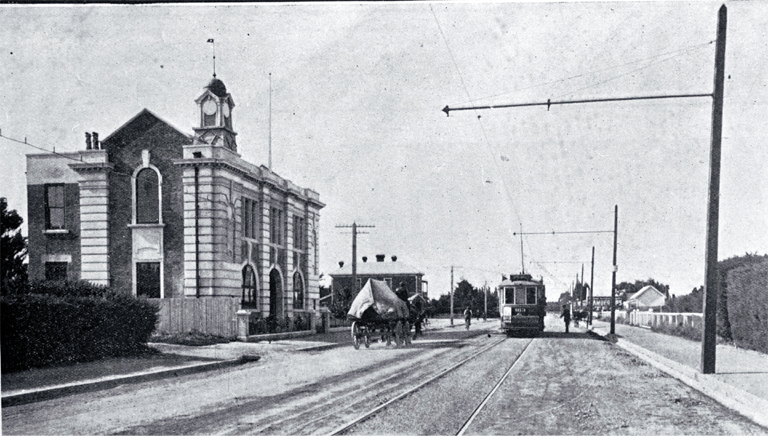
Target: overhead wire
(482,128)
(55,153)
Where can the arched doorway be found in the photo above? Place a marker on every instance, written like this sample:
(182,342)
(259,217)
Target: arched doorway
(275,293)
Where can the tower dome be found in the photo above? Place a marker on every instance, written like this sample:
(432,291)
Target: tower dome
(217,87)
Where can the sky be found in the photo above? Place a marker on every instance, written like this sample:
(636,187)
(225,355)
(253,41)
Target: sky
(357,91)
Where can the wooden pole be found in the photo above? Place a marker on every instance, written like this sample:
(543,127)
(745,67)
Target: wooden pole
(708,341)
(591,284)
(615,268)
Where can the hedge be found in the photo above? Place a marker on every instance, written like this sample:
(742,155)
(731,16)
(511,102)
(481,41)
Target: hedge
(40,330)
(748,306)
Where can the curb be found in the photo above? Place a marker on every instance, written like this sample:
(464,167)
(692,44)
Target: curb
(47,393)
(743,402)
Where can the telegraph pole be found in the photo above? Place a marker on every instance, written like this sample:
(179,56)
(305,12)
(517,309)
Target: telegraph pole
(354,227)
(451,294)
(708,340)
(615,268)
(591,284)
(485,296)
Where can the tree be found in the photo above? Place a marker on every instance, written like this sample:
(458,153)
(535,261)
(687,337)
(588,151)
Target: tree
(13,249)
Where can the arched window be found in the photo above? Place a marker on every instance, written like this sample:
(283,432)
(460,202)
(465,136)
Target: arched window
(298,291)
(147,197)
(249,287)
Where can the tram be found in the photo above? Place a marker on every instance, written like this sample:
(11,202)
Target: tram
(522,304)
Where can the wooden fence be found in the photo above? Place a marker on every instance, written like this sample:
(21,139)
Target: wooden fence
(215,316)
(651,319)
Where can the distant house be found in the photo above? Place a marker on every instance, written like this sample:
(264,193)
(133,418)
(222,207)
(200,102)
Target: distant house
(393,273)
(646,298)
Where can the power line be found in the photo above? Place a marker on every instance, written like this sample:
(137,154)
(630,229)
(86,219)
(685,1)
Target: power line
(55,153)
(684,49)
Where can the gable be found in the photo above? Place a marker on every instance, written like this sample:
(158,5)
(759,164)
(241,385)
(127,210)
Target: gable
(137,126)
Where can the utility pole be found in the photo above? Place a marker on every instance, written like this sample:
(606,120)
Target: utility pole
(485,296)
(708,340)
(591,284)
(615,268)
(354,227)
(451,294)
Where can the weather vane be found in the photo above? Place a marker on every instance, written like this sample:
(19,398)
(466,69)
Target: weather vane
(210,40)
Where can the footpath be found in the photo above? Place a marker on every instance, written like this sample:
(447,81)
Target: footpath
(740,381)
(41,384)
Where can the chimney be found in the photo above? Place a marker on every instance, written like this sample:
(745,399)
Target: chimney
(394,258)
(380,257)
(341,264)
(365,258)
(87,141)
(96,145)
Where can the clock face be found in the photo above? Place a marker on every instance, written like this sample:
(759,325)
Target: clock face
(209,107)
(225,110)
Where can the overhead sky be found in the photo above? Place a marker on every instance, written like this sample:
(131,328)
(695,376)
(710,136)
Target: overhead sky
(357,93)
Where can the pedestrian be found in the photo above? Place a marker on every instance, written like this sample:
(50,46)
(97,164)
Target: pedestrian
(467,317)
(566,316)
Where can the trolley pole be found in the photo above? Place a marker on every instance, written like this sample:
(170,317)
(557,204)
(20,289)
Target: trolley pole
(615,268)
(591,284)
(708,340)
(451,294)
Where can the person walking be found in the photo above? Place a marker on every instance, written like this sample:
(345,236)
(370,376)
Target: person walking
(467,317)
(566,316)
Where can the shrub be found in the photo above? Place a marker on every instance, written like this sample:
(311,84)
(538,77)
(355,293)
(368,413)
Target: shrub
(43,329)
(683,331)
(748,306)
(193,338)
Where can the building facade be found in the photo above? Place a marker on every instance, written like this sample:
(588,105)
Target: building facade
(393,273)
(157,212)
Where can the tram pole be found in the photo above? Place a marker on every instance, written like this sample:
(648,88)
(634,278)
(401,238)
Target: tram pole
(615,268)
(708,340)
(451,294)
(591,284)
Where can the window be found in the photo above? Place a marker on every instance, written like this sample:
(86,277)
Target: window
(249,287)
(519,295)
(250,218)
(358,284)
(54,206)
(530,296)
(147,197)
(299,233)
(276,226)
(298,292)
(56,271)
(509,295)
(148,279)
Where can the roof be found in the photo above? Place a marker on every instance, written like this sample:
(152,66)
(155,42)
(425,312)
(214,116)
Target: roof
(217,87)
(648,297)
(139,123)
(377,269)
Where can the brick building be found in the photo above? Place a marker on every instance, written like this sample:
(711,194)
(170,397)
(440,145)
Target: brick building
(393,273)
(157,212)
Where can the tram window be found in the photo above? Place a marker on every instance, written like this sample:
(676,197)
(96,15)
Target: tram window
(531,297)
(509,296)
(520,296)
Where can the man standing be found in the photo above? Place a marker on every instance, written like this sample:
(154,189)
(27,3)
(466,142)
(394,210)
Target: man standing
(467,317)
(566,316)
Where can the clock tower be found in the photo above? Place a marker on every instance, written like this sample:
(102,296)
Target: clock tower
(216,106)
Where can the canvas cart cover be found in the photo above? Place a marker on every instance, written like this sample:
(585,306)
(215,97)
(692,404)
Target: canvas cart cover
(377,294)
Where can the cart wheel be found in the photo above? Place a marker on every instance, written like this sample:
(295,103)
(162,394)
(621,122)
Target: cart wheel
(356,335)
(407,333)
(367,340)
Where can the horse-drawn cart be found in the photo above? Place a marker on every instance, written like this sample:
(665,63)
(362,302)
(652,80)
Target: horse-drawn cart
(377,310)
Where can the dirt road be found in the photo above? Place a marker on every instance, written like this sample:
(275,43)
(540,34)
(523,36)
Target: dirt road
(560,384)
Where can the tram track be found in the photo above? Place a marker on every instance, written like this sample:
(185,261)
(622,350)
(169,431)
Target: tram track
(349,425)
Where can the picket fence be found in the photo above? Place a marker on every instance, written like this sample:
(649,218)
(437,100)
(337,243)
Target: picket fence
(652,319)
(216,316)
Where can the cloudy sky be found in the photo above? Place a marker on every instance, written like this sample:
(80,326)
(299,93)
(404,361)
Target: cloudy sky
(357,93)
